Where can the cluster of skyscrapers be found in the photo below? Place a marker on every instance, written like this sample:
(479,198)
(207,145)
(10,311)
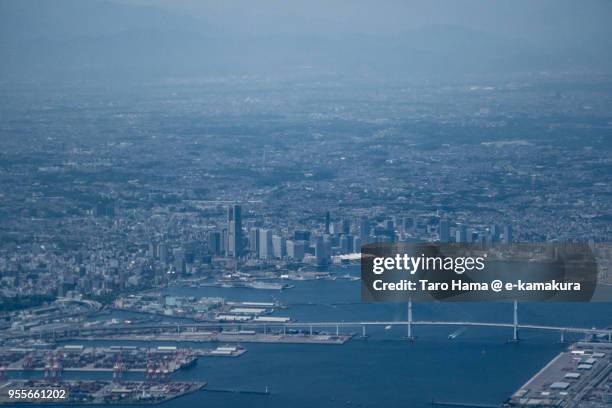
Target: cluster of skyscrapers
(343,236)
(233,240)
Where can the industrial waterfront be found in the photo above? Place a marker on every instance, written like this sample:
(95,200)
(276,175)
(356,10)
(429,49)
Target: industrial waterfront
(577,377)
(442,362)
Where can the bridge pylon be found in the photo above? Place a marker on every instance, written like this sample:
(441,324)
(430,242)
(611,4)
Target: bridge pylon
(409,335)
(515,329)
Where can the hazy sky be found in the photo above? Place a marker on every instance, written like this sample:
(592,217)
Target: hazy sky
(512,18)
(191,37)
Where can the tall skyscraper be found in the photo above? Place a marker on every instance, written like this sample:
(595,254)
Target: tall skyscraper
(254,240)
(162,251)
(320,252)
(444,231)
(278,246)
(346,227)
(290,248)
(508,234)
(214,242)
(356,244)
(296,249)
(224,241)
(346,242)
(461,234)
(152,252)
(265,243)
(495,232)
(364,229)
(234,231)
(179,261)
(327,222)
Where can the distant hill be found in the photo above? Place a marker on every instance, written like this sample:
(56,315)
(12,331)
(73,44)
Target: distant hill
(68,39)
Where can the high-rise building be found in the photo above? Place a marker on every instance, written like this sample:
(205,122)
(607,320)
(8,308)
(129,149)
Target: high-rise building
(346,227)
(300,235)
(254,240)
(327,222)
(508,234)
(214,242)
(234,231)
(328,245)
(224,241)
(320,252)
(152,252)
(444,231)
(470,235)
(278,246)
(345,243)
(296,249)
(335,228)
(461,234)
(290,248)
(179,261)
(162,251)
(364,229)
(495,232)
(356,244)
(265,243)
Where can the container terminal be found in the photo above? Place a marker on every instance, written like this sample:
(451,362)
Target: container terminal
(154,362)
(580,376)
(94,391)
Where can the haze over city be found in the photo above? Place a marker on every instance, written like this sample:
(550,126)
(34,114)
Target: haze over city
(197,199)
